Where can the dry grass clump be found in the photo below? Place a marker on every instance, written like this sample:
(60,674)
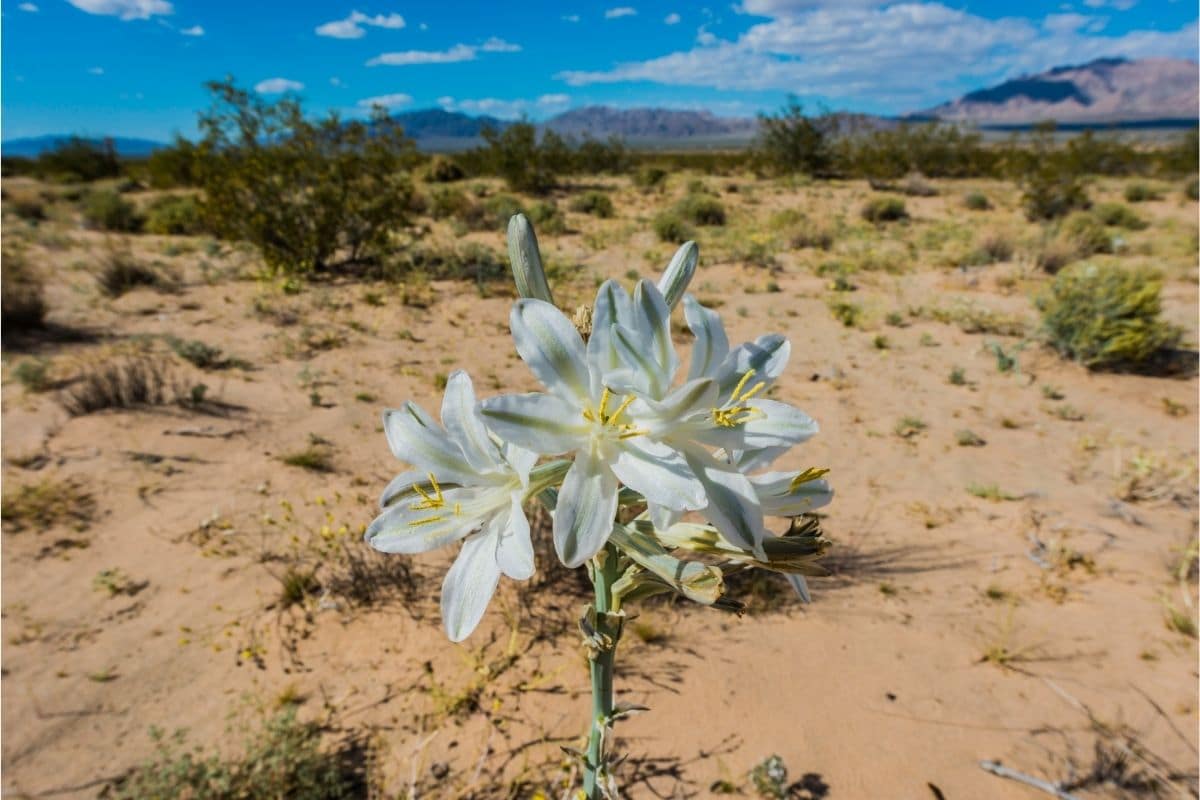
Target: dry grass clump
(878,210)
(598,204)
(106,210)
(970,317)
(22,295)
(47,503)
(125,382)
(1118,215)
(994,247)
(1106,317)
(120,272)
(976,201)
(1141,193)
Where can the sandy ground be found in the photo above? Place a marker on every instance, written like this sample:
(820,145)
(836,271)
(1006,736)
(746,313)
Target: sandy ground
(879,689)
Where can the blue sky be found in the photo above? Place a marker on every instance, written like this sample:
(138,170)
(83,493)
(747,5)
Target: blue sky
(137,67)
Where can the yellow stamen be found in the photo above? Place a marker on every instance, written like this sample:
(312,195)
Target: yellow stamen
(428,501)
(741,384)
(621,408)
(758,387)
(810,474)
(426,521)
(604,405)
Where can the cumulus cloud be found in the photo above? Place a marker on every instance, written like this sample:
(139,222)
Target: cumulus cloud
(30,7)
(277,86)
(621,11)
(672,19)
(507,108)
(125,9)
(404,58)
(386,100)
(897,55)
(570,18)
(195,30)
(352,26)
(498,45)
(1119,5)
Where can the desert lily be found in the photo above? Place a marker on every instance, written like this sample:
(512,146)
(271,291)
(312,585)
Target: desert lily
(466,486)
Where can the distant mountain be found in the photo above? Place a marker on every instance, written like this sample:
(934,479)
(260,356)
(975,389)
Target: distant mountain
(33,146)
(649,123)
(1101,91)
(437,123)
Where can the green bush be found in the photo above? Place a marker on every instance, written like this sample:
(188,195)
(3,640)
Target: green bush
(1118,215)
(884,209)
(702,209)
(597,204)
(977,201)
(78,159)
(30,209)
(175,216)
(107,211)
(547,217)
(1086,234)
(1191,189)
(1106,317)
(649,177)
(443,170)
(670,227)
(792,142)
(448,201)
(1051,191)
(526,162)
(1141,193)
(172,167)
(284,759)
(22,295)
(309,194)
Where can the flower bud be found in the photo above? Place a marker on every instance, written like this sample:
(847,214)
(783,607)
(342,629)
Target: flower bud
(526,260)
(678,273)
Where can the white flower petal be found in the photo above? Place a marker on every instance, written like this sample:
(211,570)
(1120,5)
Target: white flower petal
(659,473)
(469,586)
(461,417)
(652,318)
(514,550)
(660,416)
(539,422)
(416,525)
(662,517)
(678,274)
(775,424)
(733,506)
(800,585)
(552,348)
(521,460)
(712,345)
(400,485)
(612,306)
(587,505)
(766,355)
(779,498)
(426,446)
(644,375)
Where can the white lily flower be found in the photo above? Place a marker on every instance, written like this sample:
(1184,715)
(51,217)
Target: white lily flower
(465,486)
(580,413)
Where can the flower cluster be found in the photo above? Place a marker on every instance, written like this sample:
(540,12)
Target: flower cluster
(626,429)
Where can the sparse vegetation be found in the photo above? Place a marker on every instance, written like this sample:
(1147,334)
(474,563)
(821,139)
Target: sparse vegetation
(106,210)
(598,204)
(22,295)
(123,383)
(884,209)
(47,503)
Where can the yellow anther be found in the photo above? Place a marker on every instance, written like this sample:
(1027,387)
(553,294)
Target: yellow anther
(458,509)
(426,521)
(604,405)
(731,417)
(428,501)
(621,408)
(737,390)
(810,474)
(758,387)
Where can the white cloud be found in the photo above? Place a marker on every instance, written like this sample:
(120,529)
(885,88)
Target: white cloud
(423,26)
(195,30)
(570,18)
(899,56)
(1119,5)
(1069,23)
(125,9)
(506,108)
(620,11)
(96,71)
(672,19)
(386,100)
(404,58)
(30,7)
(277,86)
(352,26)
(498,45)
(336,81)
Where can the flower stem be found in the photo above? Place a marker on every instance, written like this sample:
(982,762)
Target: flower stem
(603,575)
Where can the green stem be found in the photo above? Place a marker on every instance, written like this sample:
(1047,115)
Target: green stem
(603,576)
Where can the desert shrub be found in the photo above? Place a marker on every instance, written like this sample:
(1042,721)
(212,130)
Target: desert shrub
(47,503)
(126,382)
(806,234)
(1191,189)
(443,170)
(792,142)
(120,271)
(670,226)
(976,201)
(470,261)
(884,209)
(492,214)
(701,209)
(649,177)
(22,295)
(526,162)
(593,156)
(78,159)
(845,312)
(1106,317)
(992,248)
(1141,193)
(196,352)
(547,216)
(926,149)
(174,216)
(283,759)
(34,374)
(598,204)
(172,167)
(1118,215)
(1055,254)
(448,201)
(915,185)
(309,194)
(29,208)
(1086,234)
(107,211)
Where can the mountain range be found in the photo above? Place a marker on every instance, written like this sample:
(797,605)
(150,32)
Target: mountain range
(1106,91)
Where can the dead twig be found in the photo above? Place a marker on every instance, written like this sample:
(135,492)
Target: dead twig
(996,768)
